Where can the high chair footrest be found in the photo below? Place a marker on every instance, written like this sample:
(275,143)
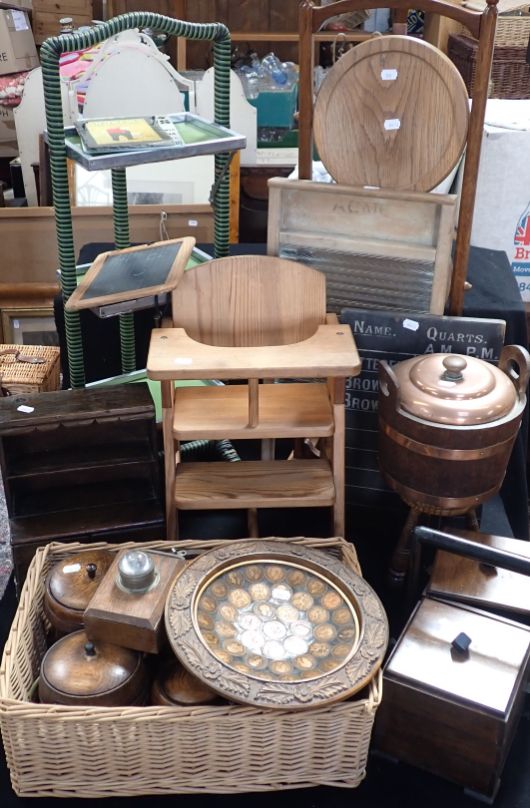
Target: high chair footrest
(254,484)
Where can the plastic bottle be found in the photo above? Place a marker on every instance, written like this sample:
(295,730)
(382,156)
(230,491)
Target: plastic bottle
(273,70)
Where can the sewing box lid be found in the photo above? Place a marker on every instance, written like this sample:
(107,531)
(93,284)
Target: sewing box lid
(432,653)
(468,581)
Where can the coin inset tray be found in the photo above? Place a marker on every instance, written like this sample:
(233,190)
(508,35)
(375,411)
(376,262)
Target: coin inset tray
(276,625)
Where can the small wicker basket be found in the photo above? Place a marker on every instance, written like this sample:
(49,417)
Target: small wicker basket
(104,751)
(510,72)
(29,368)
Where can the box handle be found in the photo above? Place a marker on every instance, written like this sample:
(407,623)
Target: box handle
(19,357)
(460,645)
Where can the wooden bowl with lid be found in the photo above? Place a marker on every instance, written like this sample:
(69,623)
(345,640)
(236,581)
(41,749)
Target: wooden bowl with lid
(75,671)
(175,686)
(70,585)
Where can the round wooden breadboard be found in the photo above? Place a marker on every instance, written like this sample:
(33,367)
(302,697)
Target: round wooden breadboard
(392,113)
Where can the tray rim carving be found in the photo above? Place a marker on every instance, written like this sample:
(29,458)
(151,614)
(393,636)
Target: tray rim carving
(347,679)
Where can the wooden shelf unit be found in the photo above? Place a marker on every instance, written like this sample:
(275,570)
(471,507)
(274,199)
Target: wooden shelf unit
(82,465)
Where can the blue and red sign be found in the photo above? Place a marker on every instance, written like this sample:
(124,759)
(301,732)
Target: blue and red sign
(521,242)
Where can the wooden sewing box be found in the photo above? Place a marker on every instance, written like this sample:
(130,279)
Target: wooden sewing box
(455,682)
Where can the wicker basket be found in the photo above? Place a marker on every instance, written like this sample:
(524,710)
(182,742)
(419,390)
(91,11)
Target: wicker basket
(510,72)
(129,751)
(512,30)
(19,376)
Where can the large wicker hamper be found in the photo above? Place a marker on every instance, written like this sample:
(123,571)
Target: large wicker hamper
(99,752)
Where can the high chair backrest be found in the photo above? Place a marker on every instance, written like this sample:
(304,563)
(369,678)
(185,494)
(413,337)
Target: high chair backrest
(250,300)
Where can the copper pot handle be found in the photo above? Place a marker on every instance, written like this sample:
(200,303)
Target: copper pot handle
(388,384)
(515,362)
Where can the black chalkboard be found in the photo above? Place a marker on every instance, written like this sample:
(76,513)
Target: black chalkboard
(395,336)
(133,271)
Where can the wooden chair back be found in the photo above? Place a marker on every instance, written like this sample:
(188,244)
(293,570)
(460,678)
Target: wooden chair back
(482,26)
(250,300)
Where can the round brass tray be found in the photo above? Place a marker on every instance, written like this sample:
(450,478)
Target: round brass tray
(275,624)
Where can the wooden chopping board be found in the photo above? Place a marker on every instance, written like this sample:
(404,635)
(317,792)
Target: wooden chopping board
(392,113)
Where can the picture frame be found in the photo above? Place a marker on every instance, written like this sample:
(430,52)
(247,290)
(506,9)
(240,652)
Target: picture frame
(29,326)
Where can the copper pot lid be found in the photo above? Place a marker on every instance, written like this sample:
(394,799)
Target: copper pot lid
(75,669)
(273,624)
(73,581)
(454,389)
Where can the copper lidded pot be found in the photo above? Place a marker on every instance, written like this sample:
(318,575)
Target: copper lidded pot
(447,425)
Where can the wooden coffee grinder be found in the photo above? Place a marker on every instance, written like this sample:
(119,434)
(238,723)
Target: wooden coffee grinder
(128,607)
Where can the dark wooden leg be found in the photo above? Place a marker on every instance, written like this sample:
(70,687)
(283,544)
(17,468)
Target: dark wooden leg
(472,520)
(399,565)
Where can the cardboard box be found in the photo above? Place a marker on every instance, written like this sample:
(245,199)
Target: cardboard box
(8,149)
(502,209)
(22,5)
(8,135)
(17,46)
(7,124)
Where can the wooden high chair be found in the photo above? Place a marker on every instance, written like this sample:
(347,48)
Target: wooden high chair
(253,318)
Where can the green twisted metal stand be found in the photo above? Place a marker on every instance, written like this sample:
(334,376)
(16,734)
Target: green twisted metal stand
(50,53)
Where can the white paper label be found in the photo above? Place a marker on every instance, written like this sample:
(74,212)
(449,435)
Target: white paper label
(392,123)
(16,324)
(19,20)
(411,325)
(69,568)
(183,360)
(193,223)
(390,74)
(25,408)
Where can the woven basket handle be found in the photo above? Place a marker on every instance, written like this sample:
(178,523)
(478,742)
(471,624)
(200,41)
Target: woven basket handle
(19,357)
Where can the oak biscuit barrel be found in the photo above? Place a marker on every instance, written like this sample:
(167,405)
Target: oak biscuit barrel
(447,425)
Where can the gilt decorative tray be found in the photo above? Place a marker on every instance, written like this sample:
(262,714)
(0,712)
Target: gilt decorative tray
(276,625)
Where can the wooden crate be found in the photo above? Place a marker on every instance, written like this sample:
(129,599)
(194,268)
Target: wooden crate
(47,13)
(19,375)
(378,249)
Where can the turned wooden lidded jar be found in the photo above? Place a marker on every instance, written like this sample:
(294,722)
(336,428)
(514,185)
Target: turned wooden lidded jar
(70,585)
(175,686)
(77,672)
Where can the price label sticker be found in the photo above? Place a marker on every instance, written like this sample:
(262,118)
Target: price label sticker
(69,568)
(411,325)
(19,20)
(183,360)
(390,74)
(392,124)
(25,408)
